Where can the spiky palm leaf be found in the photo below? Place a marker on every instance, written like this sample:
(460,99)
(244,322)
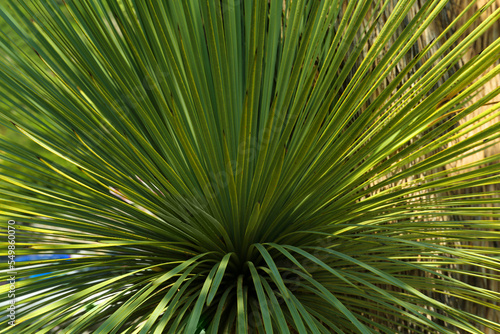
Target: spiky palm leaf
(232,166)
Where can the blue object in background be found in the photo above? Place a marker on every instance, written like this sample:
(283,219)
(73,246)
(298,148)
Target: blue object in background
(22,258)
(35,257)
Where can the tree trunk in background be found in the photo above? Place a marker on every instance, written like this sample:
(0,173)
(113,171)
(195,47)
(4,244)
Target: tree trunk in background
(488,38)
(452,10)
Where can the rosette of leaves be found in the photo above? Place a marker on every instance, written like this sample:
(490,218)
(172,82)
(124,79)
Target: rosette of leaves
(238,167)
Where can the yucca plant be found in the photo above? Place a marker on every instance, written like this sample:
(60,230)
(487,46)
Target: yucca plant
(235,167)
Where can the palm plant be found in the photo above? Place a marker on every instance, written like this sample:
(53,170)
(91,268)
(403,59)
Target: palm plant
(235,167)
